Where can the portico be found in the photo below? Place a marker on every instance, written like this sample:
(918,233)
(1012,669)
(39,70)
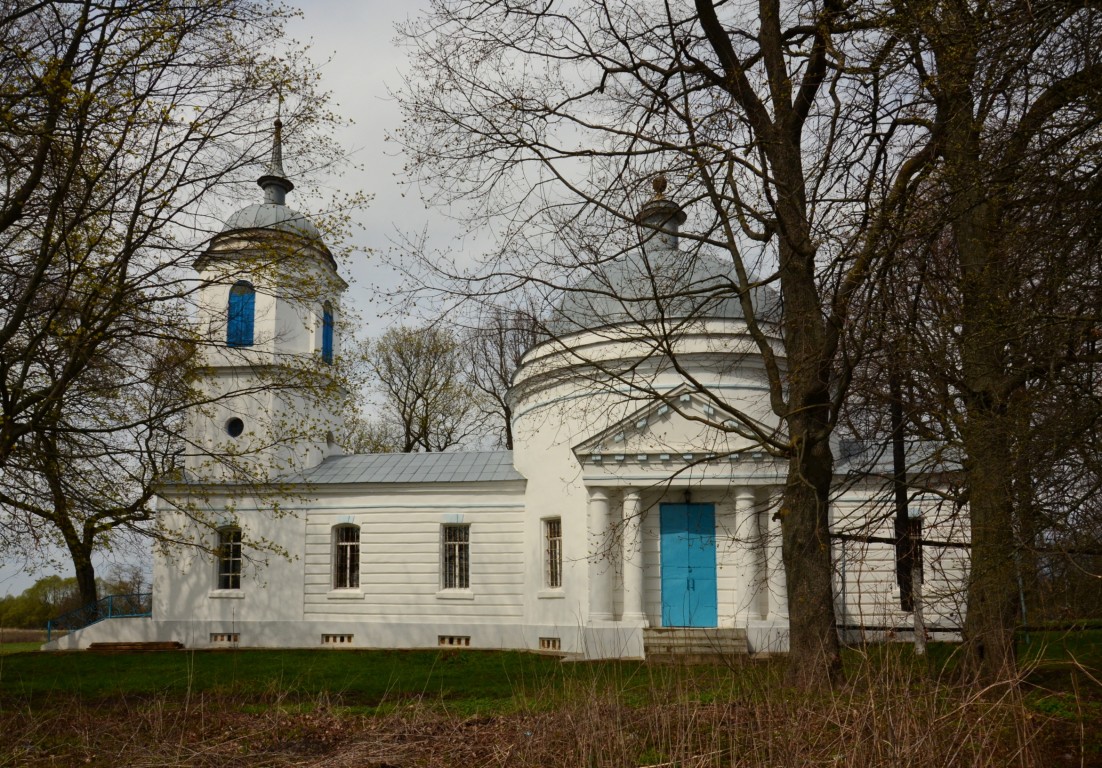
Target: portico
(699,556)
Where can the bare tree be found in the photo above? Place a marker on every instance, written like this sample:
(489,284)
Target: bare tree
(422,380)
(774,131)
(496,346)
(364,433)
(123,128)
(1012,92)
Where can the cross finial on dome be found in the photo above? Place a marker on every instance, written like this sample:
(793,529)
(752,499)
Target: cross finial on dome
(275,183)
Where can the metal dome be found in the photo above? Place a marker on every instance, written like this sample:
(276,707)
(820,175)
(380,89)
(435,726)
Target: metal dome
(677,285)
(274,217)
(273,213)
(658,281)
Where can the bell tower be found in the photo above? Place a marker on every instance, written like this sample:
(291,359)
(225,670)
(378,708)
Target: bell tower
(269,319)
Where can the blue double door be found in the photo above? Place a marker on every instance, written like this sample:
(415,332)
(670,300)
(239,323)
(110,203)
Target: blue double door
(688,534)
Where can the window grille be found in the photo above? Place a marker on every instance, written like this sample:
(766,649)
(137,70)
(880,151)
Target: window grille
(553,553)
(229,558)
(454,641)
(457,560)
(240,312)
(346,557)
(550,644)
(225,637)
(336,639)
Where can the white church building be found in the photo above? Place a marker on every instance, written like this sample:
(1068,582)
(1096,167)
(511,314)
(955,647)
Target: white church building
(634,515)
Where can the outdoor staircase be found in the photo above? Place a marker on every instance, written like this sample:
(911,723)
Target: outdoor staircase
(694,645)
(129,606)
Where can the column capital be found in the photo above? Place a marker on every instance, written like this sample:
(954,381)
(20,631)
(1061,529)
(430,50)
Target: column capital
(598,493)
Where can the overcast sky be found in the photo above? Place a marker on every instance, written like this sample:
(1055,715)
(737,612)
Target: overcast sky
(353,41)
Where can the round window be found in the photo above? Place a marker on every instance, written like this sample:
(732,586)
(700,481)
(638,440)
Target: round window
(234,427)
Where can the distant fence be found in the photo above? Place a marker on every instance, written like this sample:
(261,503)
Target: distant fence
(110,607)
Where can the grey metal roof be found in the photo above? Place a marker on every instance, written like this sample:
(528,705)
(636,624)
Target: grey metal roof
(459,467)
(666,284)
(272,216)
(871,458)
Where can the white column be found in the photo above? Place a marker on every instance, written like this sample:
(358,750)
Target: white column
(747,543)
(778,586)
(633,557)
(600,558)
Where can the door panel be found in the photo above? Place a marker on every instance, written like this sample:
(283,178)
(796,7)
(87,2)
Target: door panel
(688,537)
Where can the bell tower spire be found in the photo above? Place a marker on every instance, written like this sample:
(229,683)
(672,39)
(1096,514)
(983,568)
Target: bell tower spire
(275,183)
(270,299)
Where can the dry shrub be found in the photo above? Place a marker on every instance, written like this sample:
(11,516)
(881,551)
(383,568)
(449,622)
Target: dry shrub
(10,635)
(885,716)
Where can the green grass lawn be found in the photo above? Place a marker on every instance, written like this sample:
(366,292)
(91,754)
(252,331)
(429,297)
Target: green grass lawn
(468,681)
(86,706)
(1058,646)
(10,648)
(358,676)
(473,681)
(478,680)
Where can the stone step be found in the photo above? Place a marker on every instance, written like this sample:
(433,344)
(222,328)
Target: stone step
(160,645)
(694,642)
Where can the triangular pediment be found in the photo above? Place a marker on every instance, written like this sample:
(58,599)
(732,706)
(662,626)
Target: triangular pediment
(682,425)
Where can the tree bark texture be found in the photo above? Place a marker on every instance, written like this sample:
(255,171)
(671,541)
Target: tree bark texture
(987,316)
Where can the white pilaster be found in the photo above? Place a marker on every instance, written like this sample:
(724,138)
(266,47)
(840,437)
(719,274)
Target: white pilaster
(600,559)
(778,585)
(747,543)
(633,558)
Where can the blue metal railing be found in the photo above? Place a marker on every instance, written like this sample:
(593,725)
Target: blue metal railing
(110,607)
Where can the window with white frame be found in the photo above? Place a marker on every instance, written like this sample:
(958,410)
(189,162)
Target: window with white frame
(346,557)
(552,553)
(456,557)
(229,558)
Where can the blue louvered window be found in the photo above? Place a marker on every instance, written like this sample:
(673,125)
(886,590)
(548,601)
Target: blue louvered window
(239,320)
(327,333)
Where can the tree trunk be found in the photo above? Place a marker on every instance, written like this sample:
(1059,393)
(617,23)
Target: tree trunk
(992,585)
(86,575)
(987,317)
(814,656)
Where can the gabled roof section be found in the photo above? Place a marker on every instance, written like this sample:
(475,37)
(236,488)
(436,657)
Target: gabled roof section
(458,467)
(682,422)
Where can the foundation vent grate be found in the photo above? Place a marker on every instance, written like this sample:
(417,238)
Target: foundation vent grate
(336,639)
